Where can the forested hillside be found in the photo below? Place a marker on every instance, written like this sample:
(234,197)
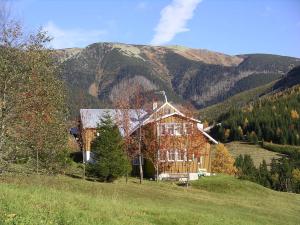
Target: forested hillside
(96,73)
(292,78)
(273,118)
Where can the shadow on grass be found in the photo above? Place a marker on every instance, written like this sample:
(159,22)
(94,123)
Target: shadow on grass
(73,176)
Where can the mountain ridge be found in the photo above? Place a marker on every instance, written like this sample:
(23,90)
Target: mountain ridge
(202,77)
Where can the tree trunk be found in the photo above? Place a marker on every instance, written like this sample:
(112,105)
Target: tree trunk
(2,133)
(37,161)
(140,155)
(157,166)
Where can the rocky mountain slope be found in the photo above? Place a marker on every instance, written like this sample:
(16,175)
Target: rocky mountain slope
(95,74)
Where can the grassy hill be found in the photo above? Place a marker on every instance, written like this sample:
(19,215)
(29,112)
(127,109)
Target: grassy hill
(256,152)
(212,200)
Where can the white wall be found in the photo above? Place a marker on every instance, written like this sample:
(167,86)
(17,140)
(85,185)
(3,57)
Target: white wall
(86,156)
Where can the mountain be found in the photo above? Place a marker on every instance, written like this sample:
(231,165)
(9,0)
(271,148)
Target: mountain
(98,72)
(291,79)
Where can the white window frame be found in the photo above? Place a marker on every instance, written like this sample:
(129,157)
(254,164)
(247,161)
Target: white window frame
(178,129)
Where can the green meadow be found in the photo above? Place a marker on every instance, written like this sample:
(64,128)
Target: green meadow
(210,200)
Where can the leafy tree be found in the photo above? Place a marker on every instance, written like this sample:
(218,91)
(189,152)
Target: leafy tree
(32,100)
(296,179)
(223,161)
(110,160)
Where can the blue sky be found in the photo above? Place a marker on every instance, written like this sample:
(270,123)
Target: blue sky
(228,26)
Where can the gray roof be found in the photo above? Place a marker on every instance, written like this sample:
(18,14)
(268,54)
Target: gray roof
(90,118)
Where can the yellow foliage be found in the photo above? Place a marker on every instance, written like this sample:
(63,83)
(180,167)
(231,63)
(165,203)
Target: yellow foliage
(294,115)
(246,121)
(296,175)
(227,133)
(223,161)
(205,124)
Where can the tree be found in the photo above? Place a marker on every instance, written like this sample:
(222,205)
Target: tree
(252,137)
(122,103)
(110,161)
(32,100)
(296,180)
(223,161)
(137,101)
(294,114)
(264,176)
(245,167)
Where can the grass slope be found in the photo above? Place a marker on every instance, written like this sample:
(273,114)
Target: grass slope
(256,152)
(212,200)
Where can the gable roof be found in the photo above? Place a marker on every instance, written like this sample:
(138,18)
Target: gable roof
(90,118)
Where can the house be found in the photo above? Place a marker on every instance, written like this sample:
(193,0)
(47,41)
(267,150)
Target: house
(183,145)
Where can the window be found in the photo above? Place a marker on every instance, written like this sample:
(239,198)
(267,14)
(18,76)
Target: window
(162,128)
(187,128)
(178,129)
(171,129)
(172,155)
(180,155)
(175,155)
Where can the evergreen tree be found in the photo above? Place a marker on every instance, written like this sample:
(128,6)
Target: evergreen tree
(110,161)
(246,168)
(264,176)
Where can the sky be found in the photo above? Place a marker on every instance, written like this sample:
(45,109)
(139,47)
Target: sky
(228,26)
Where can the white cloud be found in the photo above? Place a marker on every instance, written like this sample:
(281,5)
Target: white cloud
(173,20)
(67,38)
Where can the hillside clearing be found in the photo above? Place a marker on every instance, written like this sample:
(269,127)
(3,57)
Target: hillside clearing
(256,152)
(212,200)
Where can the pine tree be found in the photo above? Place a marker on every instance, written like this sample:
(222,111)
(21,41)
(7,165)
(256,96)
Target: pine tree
(264,177)
(110,161)
(246,168)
